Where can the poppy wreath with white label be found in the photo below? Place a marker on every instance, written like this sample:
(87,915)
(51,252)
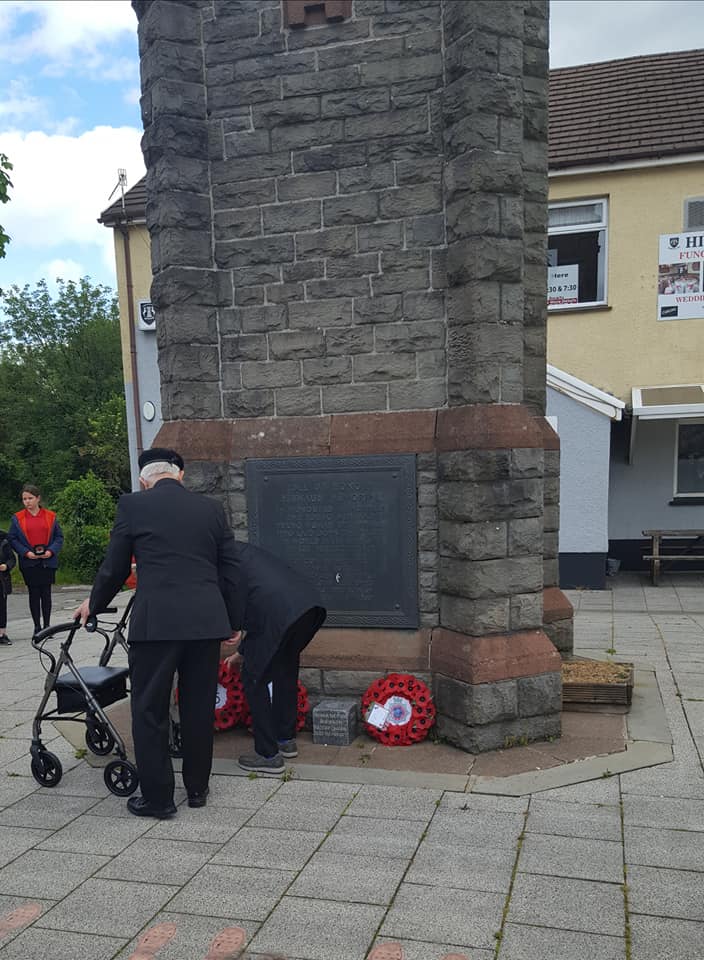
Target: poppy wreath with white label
(410,707)
(229,698)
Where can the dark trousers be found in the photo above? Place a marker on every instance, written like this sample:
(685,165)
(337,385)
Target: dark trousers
(274,718)
(40,604)
(3,609)
(152,668)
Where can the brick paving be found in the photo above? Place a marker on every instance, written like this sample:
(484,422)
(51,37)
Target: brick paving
(337,858)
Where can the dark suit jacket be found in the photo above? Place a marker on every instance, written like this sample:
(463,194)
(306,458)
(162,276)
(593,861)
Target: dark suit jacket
(269,598)
(182,544)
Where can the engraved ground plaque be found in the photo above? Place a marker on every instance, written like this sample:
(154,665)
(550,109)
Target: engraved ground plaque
(335,722)
(349,524)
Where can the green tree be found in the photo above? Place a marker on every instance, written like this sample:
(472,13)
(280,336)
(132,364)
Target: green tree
(61,376)
(86,512)
(5,184)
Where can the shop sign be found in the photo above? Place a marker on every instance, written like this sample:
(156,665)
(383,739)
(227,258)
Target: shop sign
(680,290)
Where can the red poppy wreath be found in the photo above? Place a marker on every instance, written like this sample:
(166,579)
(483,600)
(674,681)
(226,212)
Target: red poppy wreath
(243,715)
(407,710)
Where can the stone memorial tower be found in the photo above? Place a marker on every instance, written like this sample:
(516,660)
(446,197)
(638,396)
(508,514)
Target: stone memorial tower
(347,208)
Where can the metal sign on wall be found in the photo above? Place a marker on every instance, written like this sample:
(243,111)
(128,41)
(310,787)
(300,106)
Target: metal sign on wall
(349,524)
(146,318)
(680,288)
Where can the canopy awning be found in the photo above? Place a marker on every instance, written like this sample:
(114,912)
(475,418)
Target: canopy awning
(677,401)
(681,401)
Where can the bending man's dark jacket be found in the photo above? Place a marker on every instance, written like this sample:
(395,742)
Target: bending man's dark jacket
(182,545)
(269,598)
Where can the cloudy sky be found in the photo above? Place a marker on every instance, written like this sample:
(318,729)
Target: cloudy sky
(69,114)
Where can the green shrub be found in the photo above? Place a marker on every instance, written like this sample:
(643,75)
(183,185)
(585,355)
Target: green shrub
(86,512)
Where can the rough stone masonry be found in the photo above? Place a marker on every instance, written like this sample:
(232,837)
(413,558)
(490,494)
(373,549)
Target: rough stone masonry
(347,209)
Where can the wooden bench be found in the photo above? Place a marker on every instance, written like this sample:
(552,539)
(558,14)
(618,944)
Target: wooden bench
(662,553)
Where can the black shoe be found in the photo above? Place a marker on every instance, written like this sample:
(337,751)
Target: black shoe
(5,640)
(198,799)
(143,808)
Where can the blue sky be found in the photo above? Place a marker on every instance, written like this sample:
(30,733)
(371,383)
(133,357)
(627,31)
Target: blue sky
(69,111)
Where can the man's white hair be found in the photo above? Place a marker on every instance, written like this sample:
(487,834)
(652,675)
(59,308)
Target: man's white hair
(158,468)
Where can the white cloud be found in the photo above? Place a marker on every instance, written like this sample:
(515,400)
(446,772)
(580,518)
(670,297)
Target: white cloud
(62,270)
(62,28)
(61,185)
(17,103)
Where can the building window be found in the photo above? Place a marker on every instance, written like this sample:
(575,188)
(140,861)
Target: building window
(689,466)
(577,254)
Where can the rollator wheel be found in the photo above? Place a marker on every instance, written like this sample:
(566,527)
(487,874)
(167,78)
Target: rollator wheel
(121,778)
(47,769)
(99,740)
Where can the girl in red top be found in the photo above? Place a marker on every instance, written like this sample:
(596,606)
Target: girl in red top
(36,538)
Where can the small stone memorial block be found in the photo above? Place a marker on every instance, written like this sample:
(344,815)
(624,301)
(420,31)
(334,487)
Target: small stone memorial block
(335,722)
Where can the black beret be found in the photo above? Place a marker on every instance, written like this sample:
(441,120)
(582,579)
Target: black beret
(160,455)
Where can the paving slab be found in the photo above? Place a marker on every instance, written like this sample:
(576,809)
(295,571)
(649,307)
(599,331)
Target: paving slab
(44,874)
(256,847)
(89,834)
(469,918)
(657,938)
(159,860)
(232,892)
(585,859)
(681,849)
(209,824)
(13,789)
(662,811)
(591,820)
(318,930)
(293,813)
(100,905)
(666,893)
(480,865)
(350,878)
(44,809)
(522,942)
(373,836)
(410,804)
(566,904)
(60,945)
(423,950)
(16,840)
(193,937)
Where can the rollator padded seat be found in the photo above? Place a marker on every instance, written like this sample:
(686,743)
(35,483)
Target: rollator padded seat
(107,684)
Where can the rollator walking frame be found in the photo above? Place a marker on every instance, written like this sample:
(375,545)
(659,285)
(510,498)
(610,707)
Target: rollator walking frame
(84,692)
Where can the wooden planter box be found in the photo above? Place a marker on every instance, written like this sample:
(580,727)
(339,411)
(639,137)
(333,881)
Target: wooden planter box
(612,693)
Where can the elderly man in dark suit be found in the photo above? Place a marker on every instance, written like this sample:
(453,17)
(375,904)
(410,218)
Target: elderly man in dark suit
(280,612)
(183,610)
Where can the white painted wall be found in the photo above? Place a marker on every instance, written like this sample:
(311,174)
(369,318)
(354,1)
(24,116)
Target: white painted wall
(584,474)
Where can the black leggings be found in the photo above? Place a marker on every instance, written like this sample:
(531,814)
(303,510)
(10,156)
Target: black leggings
(40,601)
(3,609)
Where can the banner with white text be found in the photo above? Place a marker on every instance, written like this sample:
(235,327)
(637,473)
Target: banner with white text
(680,290)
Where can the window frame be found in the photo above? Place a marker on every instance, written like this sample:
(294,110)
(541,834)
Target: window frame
(676,494)
(603,260)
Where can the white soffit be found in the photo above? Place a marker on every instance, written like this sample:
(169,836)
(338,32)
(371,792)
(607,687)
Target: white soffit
(585,393)
(677,401)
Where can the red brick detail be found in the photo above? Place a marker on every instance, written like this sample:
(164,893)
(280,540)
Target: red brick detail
(281,437)
(480,427)
(412,431)
(551,440)
(338,648)
(556,606)
(305,13)
(488,659)
(488,427)
(197,439)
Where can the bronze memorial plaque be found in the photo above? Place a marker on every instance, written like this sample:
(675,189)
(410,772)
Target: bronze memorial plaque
(349,524)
